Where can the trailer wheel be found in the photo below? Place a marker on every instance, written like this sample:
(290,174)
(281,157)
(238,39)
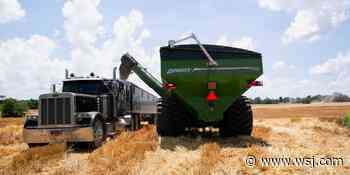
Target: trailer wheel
(99,134)
(172,119)
(135,122)
(238,119)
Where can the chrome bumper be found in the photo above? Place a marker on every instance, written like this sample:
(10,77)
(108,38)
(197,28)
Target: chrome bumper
(55,135)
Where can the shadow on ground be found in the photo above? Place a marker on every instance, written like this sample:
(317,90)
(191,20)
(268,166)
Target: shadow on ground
(80,148)
(192,142)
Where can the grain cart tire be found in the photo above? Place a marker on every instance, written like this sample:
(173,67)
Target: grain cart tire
(238,119)
(99,133)
(172,118)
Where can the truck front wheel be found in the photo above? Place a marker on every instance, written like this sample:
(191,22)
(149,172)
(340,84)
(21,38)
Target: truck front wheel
(98,131)
(238,119)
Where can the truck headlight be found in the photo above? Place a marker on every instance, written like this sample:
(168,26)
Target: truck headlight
(83,118)
(31,117)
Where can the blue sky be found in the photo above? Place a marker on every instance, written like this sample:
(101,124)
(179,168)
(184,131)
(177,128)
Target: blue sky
(304,44)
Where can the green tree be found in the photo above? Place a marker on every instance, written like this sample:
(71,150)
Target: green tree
(347,120)
(32,103)
(257,100)
(13,108)
(307,100)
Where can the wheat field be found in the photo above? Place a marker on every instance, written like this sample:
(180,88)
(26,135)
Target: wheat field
(279,131)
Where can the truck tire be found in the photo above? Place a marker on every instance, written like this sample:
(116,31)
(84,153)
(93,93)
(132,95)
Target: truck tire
(33,145)
(172,118)
(99,134)
(30,122)
(238,119)
(135,122)
(152,119)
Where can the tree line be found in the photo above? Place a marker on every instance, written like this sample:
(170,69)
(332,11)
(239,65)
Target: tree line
(16,108)
(335,97)
(11,107)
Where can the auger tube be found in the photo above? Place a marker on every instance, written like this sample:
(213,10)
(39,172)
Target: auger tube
(128,64)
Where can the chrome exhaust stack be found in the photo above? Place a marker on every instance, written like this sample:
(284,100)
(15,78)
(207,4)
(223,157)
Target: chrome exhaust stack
(67,73)
(115,73)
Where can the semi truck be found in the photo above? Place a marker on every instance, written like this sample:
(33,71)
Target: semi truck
(88,110)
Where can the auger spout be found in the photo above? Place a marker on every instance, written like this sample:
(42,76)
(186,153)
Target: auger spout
(128,64)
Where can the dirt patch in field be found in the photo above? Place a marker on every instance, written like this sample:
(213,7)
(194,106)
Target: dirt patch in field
(319,110)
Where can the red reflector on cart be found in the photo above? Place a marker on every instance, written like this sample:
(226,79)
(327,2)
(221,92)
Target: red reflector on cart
(212,96)
(255,83)
(212,85)
(170,86)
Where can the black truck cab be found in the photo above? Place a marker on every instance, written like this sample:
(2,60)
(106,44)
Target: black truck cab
(89,109)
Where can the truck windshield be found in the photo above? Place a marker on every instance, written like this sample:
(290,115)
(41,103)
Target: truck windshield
(84,87)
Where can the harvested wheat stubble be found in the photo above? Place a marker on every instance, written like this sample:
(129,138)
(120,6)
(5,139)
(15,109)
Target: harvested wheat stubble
(270,138)
(277,132)
(35,160)
(121,155)
(11,121)
(10,131)
(11,134)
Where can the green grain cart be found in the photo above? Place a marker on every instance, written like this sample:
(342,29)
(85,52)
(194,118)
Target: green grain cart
(202,86)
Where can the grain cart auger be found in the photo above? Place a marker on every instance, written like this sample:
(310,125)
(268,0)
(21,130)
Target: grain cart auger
(202,86)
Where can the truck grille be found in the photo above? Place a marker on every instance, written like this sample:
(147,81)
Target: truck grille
(55,111)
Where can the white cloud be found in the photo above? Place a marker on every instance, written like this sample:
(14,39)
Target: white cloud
(128,36)
(28,67)
(338,65)
(325,78)
(305,25)
(312,18)
(334,73)
(245,42)
(282,80)
(82,22)
(125,27)
(281,66)
(10,10)
(278,5)
(83,30)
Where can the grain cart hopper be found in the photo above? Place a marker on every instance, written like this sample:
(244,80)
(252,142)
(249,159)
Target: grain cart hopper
(202,86)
